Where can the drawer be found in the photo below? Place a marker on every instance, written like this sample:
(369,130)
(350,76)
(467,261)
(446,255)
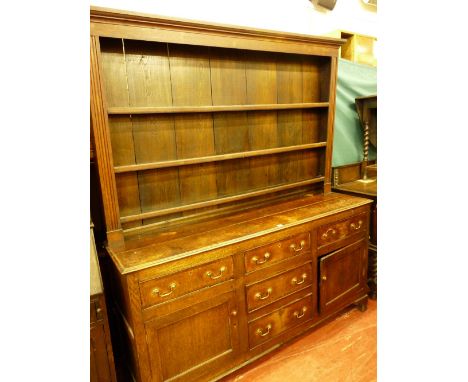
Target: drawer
(261,257)
(330,233)
(266,291)
(269,326)
(169,287)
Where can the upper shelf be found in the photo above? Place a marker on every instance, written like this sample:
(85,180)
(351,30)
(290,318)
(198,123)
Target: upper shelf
(211,109)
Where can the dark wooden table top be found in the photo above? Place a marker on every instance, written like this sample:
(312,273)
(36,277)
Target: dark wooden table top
(366,188)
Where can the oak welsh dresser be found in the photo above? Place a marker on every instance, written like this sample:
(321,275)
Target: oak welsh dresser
(213,147)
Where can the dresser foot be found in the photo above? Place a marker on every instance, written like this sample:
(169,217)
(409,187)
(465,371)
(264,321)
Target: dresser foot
(361,304)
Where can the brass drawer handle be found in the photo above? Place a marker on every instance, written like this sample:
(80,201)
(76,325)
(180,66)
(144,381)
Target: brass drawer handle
(259,296)
(330,231)
(259,332)
(294,279)
(221,271)
(292,247)
(356,227)
(257,261)
(299,315)
(157,292)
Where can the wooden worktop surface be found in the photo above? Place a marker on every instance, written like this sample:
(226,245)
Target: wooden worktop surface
(144,250)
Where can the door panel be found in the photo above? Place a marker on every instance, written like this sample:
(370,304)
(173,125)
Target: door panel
(194,342)
(342,275)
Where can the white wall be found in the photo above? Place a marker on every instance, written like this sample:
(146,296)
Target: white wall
(300,16)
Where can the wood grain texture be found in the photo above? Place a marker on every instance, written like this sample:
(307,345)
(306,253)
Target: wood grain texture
(290,81)
(149,83)
(148,75)
(139,26)
(214,108)
(123,150)
(164,245)
(144,371)
(223,200)
(180,76)
(182,283)
(102,365)
(209,320)
(190,76)
(311,80)
(120,127)
(121,134)
(341,275)
(280,320)
(330,123)
(128,196)
(102,142)
(194,101)
(292,246)
(172,358)
(231,132)
(216,158)
(313,129)
(267,291)
(99,362)
(114,72)
(262,88)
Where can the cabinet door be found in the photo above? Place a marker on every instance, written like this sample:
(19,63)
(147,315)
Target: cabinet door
(342,276)
(194,343)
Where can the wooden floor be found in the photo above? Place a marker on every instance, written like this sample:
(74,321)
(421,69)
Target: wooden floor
(343,350)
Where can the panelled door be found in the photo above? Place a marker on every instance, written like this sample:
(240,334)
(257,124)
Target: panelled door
(194,343)
(343,275)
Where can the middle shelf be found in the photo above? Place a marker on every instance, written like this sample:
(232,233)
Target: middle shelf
(213,108)
(216,158)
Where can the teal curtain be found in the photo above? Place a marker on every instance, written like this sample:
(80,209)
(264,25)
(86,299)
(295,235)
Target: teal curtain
(354,80)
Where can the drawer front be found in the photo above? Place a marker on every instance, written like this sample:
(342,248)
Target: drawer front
(269,326)
(274,288)
(261,257)
(330,233)
(169,287)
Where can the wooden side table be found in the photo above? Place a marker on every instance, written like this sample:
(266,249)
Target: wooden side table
(102,367)
(347,180)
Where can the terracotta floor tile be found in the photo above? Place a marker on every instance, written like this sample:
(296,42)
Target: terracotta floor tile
(343,350)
